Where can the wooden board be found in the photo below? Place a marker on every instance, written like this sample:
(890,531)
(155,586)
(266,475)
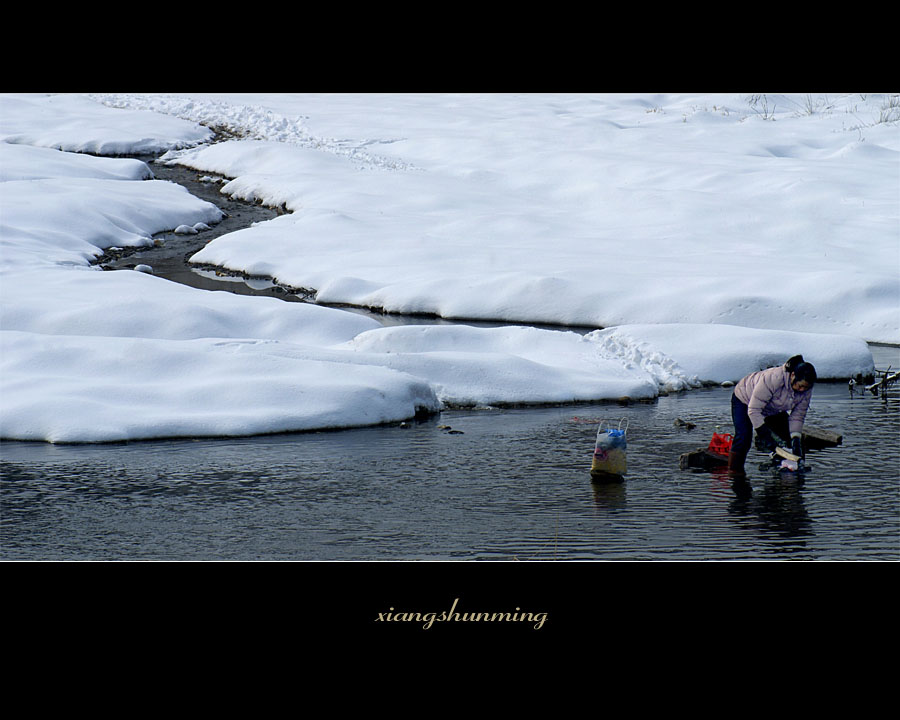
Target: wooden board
(781,452)
(818,438)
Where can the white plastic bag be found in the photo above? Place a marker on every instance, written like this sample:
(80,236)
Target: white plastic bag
(609,450)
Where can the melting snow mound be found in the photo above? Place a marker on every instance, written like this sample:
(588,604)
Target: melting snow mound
(688,355)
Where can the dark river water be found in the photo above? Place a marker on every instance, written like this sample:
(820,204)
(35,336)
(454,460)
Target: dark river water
(502,485)
(510,484)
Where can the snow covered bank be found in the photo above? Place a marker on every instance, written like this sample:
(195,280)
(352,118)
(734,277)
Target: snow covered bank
(634,361)
(132,304)
(779,213)
(78,124)
(87,355)
(682,356)
(63,388)
(24,162)
(473,219)
(509,365)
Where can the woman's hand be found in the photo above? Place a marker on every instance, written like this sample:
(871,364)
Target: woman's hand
(767,439)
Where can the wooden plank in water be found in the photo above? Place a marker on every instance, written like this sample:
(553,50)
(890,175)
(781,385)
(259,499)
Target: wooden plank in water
(818,438)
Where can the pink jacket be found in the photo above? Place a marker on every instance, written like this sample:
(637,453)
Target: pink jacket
(768,392)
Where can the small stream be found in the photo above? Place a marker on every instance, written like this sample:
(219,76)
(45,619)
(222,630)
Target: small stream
(168,256)
(508,484)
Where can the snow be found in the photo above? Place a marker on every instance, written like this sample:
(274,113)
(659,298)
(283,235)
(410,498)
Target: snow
(78,124)
(579,210)
(688,355)
(59,221)
(705,238)
(59,388)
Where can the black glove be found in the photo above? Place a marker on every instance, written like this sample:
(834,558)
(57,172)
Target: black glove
(765,440)
(797,447)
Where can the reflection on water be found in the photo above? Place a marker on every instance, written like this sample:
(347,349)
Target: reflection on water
(777,509)
(511,485)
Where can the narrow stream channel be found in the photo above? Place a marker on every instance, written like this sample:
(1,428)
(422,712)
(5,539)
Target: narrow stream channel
(168,257)
(509,484)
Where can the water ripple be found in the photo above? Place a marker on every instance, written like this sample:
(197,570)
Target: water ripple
(512,485)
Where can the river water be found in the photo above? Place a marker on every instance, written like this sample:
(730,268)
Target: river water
(509,484)
(504,485)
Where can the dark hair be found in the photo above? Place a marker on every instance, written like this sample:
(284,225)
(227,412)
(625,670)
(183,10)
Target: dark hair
(791,364)
(803,371)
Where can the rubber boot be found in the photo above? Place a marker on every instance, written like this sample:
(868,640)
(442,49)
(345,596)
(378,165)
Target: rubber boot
(739,483)
(736,463)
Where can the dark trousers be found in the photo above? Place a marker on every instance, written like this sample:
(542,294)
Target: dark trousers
(743,428)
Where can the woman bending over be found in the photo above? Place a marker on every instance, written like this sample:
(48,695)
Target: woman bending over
(772,402)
